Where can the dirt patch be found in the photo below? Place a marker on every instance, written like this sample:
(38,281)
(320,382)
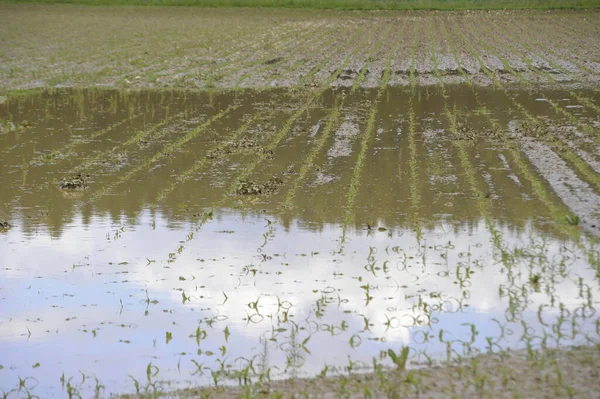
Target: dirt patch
(342,146)
(551,373)
(322,178)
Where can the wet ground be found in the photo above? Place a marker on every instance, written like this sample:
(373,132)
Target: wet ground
(169,239)
(197,48)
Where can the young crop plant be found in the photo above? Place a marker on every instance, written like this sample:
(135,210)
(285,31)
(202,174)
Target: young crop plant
(588,129)
(585,101)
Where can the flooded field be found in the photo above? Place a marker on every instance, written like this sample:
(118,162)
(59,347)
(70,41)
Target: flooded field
(161,240)
(269,203)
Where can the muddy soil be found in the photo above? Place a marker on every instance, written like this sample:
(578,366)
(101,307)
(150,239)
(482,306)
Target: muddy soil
(493,375)
(204,49)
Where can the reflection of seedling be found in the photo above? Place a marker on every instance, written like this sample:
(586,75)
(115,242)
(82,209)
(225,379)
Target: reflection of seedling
(535,280)
(368,296)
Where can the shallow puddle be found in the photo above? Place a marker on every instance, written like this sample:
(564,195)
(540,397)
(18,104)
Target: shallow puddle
(228,236)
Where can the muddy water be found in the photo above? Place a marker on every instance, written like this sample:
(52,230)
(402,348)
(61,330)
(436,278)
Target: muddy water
(455,242)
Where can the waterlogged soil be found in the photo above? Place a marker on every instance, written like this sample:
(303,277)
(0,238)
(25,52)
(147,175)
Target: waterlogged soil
(67,46)
(431,241)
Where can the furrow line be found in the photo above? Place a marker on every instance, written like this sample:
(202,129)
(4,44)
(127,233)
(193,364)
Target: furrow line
(217,72)
(166,150)
(561,148)
(301,50)
(333,121)
(68,149)
(502,59)
(538,45)
(364,147)
(325,60)
(205,160)
(413,162)
(362,73)
(461,70)
(137,138)
(413,56)
(471,174)
(433,56)
(287,126)
(290,47)
(476,55)
(569,46)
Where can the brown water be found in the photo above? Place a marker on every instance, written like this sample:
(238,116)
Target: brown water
(454,243)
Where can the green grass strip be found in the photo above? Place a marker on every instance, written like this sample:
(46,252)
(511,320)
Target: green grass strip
(440,5)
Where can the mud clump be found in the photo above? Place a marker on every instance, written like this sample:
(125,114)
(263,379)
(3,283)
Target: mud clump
(348,74)
(9,126)
(4,226)
(75,183)
(237,146)
(248,187)
(219,153)
(534,129)
(245,143)
(274,61)
(464,132)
